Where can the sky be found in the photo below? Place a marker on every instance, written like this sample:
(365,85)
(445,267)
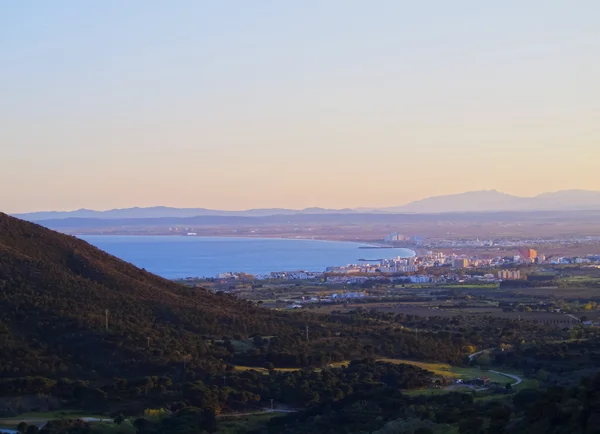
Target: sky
(240,104)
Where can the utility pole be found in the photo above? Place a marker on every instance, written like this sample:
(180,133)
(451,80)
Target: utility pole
(224,380)
(148,341)
(417,334)
(306,334)
(272,404)
(106,311)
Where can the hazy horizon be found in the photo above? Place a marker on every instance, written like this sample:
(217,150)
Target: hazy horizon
(133,206)
(339,104)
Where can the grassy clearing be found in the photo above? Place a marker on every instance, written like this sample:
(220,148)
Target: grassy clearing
(242,346)
(442,369)
(263,370)
(446,370)
(431,392)
(58,414)
(242,424)
(474,286)
(43,416)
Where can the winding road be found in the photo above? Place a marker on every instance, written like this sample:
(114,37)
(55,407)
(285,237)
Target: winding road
(478,353)
(517,379)
(514,377)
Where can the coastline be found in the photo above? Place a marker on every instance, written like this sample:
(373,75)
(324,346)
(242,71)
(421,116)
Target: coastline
(366,243)
(179,257)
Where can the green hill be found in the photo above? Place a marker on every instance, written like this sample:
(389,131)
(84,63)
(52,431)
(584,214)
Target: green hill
(55,289)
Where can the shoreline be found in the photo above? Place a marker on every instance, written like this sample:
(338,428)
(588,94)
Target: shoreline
(364,244)
(330,253)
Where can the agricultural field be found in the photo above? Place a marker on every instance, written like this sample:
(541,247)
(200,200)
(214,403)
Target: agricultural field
(243,424)
(263,370)
(431,309)
(39,418)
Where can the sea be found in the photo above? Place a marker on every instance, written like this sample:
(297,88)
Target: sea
(175,257)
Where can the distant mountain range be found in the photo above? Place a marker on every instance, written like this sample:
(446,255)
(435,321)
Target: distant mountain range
(492,200)
(473,201)
(163,212)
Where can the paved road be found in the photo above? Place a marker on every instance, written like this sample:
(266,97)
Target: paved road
(514,377)
(275,410)
(517,379)
(478,353)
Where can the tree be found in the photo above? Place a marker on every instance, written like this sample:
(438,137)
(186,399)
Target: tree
(525,398)
(142,425)
(32,429)
(541,375)
(484,360)
(471,425)
(22,427)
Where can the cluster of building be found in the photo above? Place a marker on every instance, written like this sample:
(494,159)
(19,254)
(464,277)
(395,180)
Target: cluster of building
(399,265)
(346,295)
(230,275)
(291,275)
(282,275)
(410,267)
(509,274)
(355,280)
(435,259)
(353,269)
(395,237)
(509,242)
(589,260)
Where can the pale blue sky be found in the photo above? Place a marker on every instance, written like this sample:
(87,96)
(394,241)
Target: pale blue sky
(333,103)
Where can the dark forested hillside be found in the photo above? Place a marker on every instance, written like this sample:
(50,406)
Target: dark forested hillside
(54,293)
(173,349)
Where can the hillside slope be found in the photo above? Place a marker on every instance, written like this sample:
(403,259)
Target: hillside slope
(55,289)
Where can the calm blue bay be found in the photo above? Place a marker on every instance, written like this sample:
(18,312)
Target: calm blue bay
(179,256)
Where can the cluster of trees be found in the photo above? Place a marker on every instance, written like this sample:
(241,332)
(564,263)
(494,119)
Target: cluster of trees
(70,310)
(478,331)
(234,391)
(386,411)
(563,362)
(513,284)
(99,334)
(381,409)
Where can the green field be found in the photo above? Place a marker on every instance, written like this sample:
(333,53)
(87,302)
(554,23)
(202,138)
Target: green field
(455,372)
(41,417)
(442,369)
(244,424)
(472,286)
(263,370)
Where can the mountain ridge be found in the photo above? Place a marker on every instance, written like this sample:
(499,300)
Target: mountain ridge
(494,200)
(164,211)
(471,201)
(57,291)
(70,310)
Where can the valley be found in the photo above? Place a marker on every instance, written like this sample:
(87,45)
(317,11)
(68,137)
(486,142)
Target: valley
(85,336)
